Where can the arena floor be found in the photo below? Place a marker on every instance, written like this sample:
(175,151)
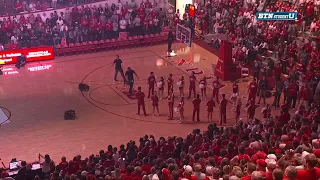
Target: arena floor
(37,96)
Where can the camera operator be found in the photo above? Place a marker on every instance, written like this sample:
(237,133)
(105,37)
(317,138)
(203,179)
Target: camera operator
(21,61)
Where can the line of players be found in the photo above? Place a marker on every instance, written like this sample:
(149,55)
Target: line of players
(169,82)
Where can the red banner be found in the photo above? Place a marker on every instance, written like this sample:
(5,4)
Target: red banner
(32,54)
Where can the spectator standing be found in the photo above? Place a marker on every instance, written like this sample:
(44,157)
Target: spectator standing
(263,87)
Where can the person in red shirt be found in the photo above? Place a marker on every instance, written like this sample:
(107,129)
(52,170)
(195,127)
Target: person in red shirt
(311,172)
(181,109)
(304,97)
(170,83)
(216,87)
(151,83)
(252,91)
(192,84)
(155,103)
(170,100)
(140,97)
(203,87)
(196,107)
(108,29)
(223,110)
(250,169)
(292,94)
(210,105)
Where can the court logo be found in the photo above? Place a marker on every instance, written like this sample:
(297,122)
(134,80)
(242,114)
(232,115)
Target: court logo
(277,16)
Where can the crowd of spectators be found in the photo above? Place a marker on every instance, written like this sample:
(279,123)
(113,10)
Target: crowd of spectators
(87,23)
(256,150)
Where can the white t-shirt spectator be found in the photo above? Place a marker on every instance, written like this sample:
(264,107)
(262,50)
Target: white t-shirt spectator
(119,6)
(123,24)
(64,27)
(137,21)
(28,26)
(60,21)
(132,5)
(32,7)
(44,17)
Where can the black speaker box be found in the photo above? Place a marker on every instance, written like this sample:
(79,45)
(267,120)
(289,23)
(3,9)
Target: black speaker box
(70,115)
(83,87)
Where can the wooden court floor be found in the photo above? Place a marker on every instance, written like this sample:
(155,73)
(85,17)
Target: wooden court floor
(37,95)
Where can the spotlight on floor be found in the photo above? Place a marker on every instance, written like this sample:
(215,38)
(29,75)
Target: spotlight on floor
(173,54)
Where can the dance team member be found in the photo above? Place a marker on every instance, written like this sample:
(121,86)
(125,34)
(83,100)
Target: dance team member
(151,83)
(203,88)
(170,83)
(210,105)
(216,87)
(196,107)
(223,110)
(161,84)
(170,100)
(252,91)
(181,109)
(192,84)
(155,103)
(181,86)
(140,97)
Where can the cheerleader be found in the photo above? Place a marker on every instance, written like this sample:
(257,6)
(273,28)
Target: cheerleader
(180,109)
(203,87)
(237,109)
(210,105)
(160,85)
(180,84)
(170,100)
(170,84)
(155,102)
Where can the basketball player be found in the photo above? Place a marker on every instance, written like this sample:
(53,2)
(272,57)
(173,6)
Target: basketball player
(170,83)
(192,85)
(118,68)
(129,74)
(223,110)
(140,97)
(151,82)
(196,107)
(170,100)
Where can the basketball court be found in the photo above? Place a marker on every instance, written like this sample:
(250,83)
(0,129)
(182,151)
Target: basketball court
(35,97)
